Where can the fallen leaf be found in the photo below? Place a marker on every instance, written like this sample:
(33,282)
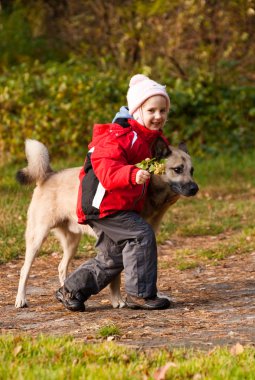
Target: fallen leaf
(212,351)
(197,376)
(55,254)
(17,350)
(169,242)
(237,349)
(105,301)
(89,337)
(160,373)
(125,358)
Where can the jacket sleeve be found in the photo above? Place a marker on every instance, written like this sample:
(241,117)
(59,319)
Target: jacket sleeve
(110,164)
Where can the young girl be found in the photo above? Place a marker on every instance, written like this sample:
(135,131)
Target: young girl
(111,195)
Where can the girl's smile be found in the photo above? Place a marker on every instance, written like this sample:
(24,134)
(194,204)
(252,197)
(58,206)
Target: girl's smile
(154,112)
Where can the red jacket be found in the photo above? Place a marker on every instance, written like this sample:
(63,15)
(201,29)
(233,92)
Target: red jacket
(107,180)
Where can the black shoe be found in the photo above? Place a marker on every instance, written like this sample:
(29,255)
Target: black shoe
(69,301)
(154,303)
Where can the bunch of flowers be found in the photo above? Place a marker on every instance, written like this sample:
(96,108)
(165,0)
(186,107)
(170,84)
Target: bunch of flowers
(153,166)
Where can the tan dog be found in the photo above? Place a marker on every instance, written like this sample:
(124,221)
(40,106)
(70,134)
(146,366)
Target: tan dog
(53,206)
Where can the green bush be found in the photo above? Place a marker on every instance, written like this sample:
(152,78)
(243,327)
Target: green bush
(58,103)
(17,42)
(213,117)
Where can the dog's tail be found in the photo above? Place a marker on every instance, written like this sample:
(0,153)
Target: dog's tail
(38,168)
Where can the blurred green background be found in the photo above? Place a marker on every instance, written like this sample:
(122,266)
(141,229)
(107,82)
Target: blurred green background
(65,65)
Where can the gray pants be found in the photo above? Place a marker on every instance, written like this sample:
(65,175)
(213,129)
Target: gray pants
(125,241)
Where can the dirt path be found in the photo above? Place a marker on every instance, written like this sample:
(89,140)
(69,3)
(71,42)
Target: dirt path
(213,305)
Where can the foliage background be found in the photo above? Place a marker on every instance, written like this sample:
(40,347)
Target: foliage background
(65,65)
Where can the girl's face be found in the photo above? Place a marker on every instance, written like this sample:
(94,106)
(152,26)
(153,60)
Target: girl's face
(154,112)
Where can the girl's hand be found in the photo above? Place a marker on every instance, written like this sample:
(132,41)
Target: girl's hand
(142,176)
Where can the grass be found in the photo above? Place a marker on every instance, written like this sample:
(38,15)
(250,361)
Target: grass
(240,243)
(109,330)
(63,358)
(204,216)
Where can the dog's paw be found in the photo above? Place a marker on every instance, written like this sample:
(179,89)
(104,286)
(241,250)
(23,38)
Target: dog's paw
(122,304)
(118,303)
(20,303)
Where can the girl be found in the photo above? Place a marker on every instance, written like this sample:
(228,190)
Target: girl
(111,195)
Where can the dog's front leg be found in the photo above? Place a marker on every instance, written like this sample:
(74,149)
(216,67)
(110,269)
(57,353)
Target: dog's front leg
(116,299)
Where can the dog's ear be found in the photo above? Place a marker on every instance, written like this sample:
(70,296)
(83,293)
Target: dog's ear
(183,147)
(160,149)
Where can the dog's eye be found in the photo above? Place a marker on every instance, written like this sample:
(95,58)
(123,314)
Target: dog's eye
(178,170)
(192,171)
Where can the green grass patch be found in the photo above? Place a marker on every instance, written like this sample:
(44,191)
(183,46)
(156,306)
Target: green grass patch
(184,264)
(202,217)
(108,330)
(240,243)
(234,172)
(13,205)
(64,358)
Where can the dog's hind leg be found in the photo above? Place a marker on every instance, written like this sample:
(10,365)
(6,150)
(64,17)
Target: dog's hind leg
(34,240)
(69,242)
(115,294)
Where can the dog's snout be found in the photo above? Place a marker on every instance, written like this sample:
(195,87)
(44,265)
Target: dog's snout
(187,189)
(193,188)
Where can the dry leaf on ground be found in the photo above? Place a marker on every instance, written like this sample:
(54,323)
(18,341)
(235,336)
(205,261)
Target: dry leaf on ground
(160,374)
(237,349)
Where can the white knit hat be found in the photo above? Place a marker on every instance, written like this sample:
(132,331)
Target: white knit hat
(142,88)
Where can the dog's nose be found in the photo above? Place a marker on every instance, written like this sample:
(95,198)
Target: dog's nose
(193,188)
